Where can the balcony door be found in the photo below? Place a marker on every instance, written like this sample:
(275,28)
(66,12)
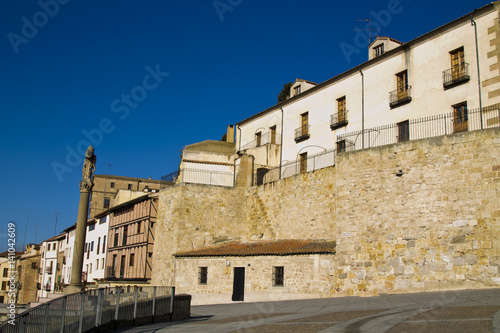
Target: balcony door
(457,63)
(460,118)
(402,79)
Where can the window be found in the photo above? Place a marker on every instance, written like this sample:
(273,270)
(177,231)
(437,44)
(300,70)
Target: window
(92,246)
(125,233)
(102,264)
(90,268)
(296,90)
(303,163)
(106,202)
(341,109)
(304,120)
(341,146)
(98,245)
(404,131)
(112,185)
(4,285)
(402,84)
(202,275)
(97,264)
(92,227)
(460,118)
(86,247)
(258,139)
(379,50)
(131,262)
(104,244)
(457,63)
(139,225)
(129,187)
(103,219)
(117,234)
(33,265)
(278,276)
(5,270)
(272,129)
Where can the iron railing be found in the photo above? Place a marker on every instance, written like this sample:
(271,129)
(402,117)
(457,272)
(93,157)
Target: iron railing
(314,162)
(338,119)
(207,177)
(400,96)
(269,137)
(302,133)
(95,308)
(421,128)
(456,75)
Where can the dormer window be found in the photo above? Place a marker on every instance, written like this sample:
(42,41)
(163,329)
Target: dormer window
(379,50)
(296,91)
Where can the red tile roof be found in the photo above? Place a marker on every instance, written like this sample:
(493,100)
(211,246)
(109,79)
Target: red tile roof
(260,248)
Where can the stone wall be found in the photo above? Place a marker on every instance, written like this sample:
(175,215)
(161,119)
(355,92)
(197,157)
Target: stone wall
(414,216)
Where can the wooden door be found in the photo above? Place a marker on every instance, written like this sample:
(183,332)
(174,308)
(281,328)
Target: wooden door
(239,284)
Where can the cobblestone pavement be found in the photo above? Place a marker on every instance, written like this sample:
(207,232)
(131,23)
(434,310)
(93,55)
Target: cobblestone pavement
(447,311)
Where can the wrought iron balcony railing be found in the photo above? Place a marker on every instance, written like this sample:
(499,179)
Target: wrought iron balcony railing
(269,137)
(302,133)
(456,75)
(338,119)
(400,96)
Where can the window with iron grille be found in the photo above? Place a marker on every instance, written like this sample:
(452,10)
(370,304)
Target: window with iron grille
(278,276)
(341,146)
(202,275)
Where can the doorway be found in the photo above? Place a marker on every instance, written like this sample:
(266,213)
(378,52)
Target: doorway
(239,284)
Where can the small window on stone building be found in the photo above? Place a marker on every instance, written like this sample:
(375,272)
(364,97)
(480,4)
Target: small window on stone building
(129,187)
(112,185)
(202,275)
(106,202)
(341,146)
(131,262)
(278,276)
(33,265)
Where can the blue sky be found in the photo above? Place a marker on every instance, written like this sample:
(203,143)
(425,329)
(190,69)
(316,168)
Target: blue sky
(143,79)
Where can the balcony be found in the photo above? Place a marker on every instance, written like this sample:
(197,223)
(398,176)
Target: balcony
(302,133)
(338,120)
(455,76)
(400,96)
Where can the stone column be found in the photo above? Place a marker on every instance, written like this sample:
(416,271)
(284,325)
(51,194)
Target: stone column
(81,223)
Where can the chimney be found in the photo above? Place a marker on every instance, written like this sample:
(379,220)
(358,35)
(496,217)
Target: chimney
(230,133)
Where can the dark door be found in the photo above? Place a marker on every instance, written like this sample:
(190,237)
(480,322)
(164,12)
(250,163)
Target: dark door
(239,284)
(122,267)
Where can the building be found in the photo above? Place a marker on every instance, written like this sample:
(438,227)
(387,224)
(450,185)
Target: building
(382,179)
(437,73)
(7,269)
(106,187)
(28,268)
(95,249)
(130,239)
(68,254)
(50,267)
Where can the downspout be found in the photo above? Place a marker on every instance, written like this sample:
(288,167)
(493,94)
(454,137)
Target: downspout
(473,23)
(281,147)
(362,109)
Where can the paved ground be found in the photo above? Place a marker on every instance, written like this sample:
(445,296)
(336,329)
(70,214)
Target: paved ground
(451,311)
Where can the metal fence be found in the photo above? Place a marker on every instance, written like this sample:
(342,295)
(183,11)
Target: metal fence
(420,128)
(289,169)
(207,177)
(269,137)
(86,311)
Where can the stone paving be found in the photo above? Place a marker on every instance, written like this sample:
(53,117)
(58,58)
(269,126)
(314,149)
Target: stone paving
(446,311)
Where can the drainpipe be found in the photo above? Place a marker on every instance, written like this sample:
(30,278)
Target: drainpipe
(362,109)
(281,148)
(239,141)
(473,23)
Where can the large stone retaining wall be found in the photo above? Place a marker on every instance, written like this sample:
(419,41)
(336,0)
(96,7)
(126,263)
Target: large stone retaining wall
(414,216)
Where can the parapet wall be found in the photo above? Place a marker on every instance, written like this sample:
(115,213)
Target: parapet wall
(414,216)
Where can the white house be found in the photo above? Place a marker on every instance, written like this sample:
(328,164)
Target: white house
(451,71)
(95,249)
(49,266)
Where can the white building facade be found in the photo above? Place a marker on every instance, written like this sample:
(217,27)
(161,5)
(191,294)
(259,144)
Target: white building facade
(95,249)
(439,73)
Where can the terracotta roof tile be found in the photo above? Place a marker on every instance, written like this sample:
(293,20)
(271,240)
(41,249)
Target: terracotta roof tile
(280,247)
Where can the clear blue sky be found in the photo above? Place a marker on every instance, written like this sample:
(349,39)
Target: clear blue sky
(69,68)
